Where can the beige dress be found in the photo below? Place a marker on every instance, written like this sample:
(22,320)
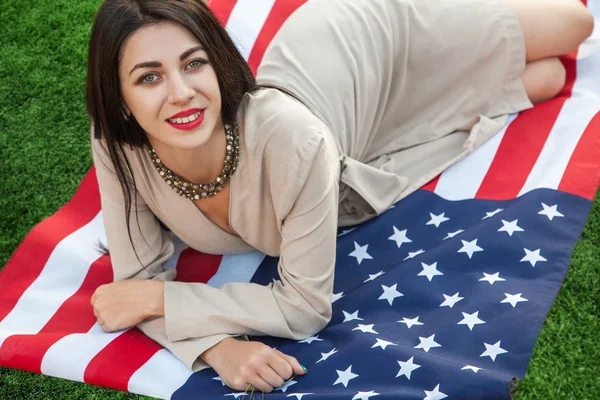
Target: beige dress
(396,91)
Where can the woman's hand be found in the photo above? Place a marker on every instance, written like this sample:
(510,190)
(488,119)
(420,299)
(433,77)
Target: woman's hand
(242,363)
(123,304)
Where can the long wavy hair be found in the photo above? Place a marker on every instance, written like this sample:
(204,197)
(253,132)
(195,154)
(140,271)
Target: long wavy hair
(115,22)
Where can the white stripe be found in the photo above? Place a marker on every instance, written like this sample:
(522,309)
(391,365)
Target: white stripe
(69,357)
(61,277)
(463,179)
(246,21)
(160,376)
(237,268)
(558,149)
(572,121)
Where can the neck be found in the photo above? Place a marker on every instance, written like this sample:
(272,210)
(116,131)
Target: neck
(199,165)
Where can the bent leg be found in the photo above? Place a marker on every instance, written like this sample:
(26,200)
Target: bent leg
(544,79)
(552,27)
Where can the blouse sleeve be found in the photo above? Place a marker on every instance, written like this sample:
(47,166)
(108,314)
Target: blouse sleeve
(304,194)
(154,251)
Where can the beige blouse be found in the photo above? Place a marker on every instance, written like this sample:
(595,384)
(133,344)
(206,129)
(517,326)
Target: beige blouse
(283,202)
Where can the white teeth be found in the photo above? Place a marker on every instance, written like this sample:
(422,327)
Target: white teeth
(186,120)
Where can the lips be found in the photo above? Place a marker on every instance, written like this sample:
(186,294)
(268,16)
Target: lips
(186,113)
(187,120)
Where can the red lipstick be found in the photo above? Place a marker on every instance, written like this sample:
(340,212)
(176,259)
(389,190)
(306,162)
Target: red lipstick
(177,121)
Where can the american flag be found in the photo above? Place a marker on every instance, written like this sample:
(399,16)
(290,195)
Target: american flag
(442,296)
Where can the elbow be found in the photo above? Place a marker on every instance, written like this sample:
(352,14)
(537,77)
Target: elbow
(312,324)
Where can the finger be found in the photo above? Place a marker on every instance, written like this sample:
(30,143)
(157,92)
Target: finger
(281,364)
(259,384)
(293,362)
(271,376)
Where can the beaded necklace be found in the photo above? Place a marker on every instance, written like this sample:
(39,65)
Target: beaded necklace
(196,191)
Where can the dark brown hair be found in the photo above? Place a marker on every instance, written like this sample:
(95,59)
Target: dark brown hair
(114,23)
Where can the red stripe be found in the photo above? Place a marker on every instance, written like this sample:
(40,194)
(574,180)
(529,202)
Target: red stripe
(222,9)
(281,10)
(193,266)
(120,359)
(523,142)
(582,175)
(74,316)
(31,256)
(432,184)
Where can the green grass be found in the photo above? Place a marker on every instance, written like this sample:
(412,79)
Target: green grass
(44,155)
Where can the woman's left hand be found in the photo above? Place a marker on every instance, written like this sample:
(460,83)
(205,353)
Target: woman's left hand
(123,304)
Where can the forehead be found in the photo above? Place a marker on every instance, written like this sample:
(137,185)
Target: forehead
(156,42)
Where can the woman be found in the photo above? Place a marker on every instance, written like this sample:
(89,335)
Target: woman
(359,104)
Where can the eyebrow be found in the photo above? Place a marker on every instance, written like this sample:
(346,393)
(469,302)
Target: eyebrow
(156,64)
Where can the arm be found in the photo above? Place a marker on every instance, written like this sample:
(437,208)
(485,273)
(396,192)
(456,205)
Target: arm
(298,305)
(154,252)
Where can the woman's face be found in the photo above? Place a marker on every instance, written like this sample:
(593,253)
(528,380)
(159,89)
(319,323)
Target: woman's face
(169,86)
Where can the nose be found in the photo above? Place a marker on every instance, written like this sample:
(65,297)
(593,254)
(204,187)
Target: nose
(179,91)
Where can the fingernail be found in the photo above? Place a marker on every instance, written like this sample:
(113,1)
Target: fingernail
(304,368)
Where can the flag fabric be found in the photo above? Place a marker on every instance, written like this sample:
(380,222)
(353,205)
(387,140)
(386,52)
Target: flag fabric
(442,296)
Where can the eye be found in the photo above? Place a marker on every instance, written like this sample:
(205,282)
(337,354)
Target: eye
(197,63)
(149,78)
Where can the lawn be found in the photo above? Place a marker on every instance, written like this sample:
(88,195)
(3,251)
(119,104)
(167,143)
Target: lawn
(44,154)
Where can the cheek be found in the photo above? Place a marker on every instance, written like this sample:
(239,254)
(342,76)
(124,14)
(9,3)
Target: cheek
(144,103)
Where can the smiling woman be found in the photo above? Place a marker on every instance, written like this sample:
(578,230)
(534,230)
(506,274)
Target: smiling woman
(347,120)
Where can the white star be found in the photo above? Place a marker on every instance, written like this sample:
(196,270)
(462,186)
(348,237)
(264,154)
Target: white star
(325,356)
(218,378)
(345,376)
(286,385)
(492,350)
(437,219)
(510,227)
(452,234)
(311,339)
(383,344)
(513,299)
(351,317)
(336,296)
(429,271)
(471,320)
(492,213)
(472,368)
(365,395)
(533,257)
(360,253)
(390,293)
(346,231)
(410,322)
(365,328)
(469,247)
(399,237)
(407,367)
(413,254)
(427,343)
(298,395)
(435,394)
(492,278)
(550,212)
(372,277)
(451,300)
